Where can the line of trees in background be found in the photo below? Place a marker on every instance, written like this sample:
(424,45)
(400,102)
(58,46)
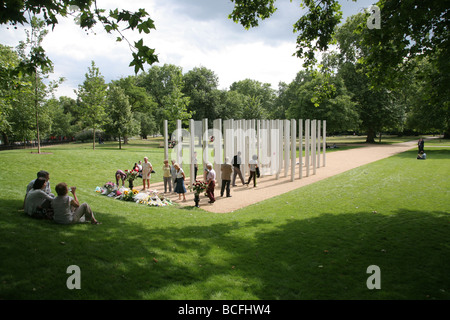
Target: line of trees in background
(338,91)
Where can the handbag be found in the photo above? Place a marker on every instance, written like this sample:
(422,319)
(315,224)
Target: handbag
(258,174)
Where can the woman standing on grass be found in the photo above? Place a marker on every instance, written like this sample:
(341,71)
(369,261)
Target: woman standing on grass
(67,210)
(180,188)
(146,172)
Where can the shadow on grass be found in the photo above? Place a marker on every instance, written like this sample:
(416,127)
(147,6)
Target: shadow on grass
(324,257)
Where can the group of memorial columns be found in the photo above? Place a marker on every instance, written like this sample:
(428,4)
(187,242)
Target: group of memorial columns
(275,143)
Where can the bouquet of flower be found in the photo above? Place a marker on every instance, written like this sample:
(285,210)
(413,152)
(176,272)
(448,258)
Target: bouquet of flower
(198,186)
(128,195)
(131,175)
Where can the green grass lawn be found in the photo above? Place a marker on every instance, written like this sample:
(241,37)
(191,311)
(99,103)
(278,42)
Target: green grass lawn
(312,243)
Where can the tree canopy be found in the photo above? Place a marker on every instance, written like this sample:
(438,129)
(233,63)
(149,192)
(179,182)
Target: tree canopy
(87,14)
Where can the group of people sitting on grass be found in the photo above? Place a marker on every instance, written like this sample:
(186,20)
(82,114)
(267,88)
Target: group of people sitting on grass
(41,203)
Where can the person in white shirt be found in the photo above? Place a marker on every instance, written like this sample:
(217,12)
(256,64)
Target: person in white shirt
(67,210)
(253,164)
(180,188)
(41,174)
(211,181)
(147,169)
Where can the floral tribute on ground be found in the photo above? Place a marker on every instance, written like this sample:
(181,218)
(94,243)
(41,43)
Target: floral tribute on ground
(109,189)
(198,187)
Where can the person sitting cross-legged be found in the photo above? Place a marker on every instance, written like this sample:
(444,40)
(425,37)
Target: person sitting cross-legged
(67,210)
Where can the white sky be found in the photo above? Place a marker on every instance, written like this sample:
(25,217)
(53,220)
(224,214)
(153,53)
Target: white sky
(189,33)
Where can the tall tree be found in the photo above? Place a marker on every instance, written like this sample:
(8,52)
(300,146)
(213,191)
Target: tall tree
(28,50)
(315,28)
(120,117)
(231,104)
(260,98)
(176,108)
(200,85)
(10,82)
(378,107)
(165,85)
(338,108)
(429,110)
(92,98)
(60,119)
(408,29)
(142,104)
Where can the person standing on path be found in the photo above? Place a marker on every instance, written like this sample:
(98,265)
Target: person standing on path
(237,169)
(180,188)
(421,144)
(253,164)
(226,170)
(146,172)
(211,182)
(195,166)
(167,176)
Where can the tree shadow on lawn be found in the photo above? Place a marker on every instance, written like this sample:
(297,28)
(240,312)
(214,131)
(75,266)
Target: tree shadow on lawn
(323,257)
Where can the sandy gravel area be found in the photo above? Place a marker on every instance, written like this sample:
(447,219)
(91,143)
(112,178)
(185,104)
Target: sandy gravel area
(268,186)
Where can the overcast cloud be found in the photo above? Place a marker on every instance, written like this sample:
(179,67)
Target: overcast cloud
(189,34)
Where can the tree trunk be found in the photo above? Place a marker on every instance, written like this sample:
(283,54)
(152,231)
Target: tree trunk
(120,143)
(5,139)
(370,136)
(447,133)
(37,112)
(93,140)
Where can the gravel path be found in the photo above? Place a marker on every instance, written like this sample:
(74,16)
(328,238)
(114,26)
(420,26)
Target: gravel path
(268,187)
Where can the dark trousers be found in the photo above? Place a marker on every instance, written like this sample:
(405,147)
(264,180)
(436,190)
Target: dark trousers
(237,171)
(252,175)
(225,184)
(210,191)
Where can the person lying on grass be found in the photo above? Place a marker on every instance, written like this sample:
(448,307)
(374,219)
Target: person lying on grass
(67,210)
